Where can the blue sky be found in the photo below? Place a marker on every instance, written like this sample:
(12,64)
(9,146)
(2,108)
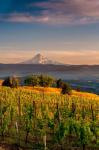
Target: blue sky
(64,30)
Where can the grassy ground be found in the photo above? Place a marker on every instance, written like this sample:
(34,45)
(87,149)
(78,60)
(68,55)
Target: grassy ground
(46,110)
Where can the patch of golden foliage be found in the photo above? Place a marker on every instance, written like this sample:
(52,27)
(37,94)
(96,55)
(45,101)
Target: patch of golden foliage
(58,91)
(85,94)
(42,89)
(1,81)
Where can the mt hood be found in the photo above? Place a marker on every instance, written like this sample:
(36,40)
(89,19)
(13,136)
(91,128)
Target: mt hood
(40,59)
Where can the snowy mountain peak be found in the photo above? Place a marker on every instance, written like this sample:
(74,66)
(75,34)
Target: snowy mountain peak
(40,59)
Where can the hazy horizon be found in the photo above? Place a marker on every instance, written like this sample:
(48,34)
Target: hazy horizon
(66,31)
(73,57)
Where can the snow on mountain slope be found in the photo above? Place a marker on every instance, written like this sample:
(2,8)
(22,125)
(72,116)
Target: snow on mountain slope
(40,59)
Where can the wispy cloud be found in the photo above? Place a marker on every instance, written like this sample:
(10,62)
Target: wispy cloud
(60,12)
(22,17)
(70,11)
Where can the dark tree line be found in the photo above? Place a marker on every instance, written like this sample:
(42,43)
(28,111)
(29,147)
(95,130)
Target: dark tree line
(39,80)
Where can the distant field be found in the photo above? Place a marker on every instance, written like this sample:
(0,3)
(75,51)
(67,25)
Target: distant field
(42,118)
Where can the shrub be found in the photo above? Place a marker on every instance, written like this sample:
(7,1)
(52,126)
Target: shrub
(59,83)
(66,89)
(45,81)
(78,89)
(12,82)
(32,80)
(42,80)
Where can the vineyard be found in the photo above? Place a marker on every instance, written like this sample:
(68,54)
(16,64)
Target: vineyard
(48,121)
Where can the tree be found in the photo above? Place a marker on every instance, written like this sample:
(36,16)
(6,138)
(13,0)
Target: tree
(32,80)
(45,81)
(59,83)
(12,82)
(66,89)
(78,89)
